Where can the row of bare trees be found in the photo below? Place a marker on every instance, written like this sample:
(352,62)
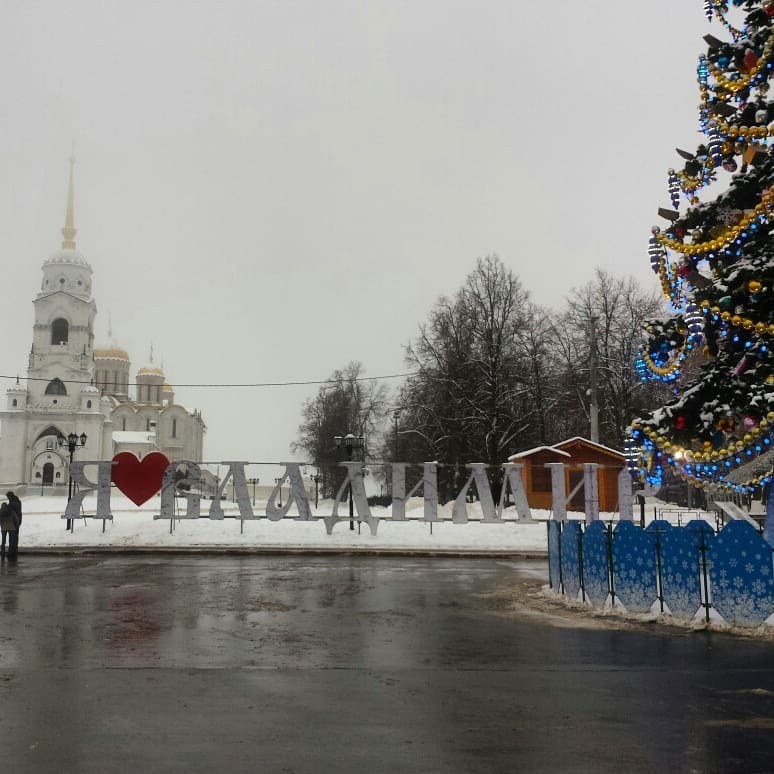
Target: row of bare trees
(493,374)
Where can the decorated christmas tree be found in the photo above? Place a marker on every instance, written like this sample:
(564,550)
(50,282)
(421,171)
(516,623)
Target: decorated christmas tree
(715,263)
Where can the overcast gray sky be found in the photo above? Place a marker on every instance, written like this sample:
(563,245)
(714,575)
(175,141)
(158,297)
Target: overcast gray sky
(268,190)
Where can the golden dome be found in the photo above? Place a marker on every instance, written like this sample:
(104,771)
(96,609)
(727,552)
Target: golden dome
(114,353)
(167,388)
(150,371)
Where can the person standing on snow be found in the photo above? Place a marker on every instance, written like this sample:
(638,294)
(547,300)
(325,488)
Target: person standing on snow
(7,528)
(14,505)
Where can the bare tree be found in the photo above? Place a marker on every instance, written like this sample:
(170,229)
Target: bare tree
(470,399)
(349,403)
(620,308)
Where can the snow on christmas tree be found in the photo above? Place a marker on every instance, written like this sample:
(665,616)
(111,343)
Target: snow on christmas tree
(715,262)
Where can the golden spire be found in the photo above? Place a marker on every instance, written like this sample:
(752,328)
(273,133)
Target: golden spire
(69,231)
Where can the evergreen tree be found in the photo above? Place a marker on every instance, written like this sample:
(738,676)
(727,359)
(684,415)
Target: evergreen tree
(714,262)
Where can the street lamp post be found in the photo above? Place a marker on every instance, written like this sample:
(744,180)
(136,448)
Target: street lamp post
(278,482)
(317,478)
(349,443)
(396,417)
(593,400)
(72,442)
(253,481)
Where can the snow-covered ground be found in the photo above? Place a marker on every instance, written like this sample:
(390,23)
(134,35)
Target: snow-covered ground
(134,527)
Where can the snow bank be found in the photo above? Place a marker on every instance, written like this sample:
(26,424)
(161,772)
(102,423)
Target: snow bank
(134,527)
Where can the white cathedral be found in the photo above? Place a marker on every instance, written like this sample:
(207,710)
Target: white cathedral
(71,387)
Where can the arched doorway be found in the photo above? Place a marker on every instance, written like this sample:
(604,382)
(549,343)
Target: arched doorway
(48,474)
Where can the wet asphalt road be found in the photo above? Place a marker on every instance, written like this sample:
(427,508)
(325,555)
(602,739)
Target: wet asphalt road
(353,664)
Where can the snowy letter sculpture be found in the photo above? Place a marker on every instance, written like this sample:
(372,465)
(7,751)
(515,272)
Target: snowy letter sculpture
(141,480)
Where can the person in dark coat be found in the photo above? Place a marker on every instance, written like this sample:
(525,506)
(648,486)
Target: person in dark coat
(14,504)
(7,528)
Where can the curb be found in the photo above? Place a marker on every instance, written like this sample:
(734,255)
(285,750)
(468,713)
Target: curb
(274,551)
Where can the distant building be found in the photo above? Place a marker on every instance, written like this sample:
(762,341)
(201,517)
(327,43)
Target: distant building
(73,387)
(573,452)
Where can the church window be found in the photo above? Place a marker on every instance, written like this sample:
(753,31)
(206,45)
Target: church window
(123,423)
(15,403)
(56,387)
(88,404)
(60,330)
(174,428)
(147,425)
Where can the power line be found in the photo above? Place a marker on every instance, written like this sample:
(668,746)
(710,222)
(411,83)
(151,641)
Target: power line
(249,384)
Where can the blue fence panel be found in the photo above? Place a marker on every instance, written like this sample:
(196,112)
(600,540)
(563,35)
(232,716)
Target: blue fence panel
(660,525)
(634,567)
(595,563)
(740,566)
(681,570)
(571,535)
(699,525)
(554,529)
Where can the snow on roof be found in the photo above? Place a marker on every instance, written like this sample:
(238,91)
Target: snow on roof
(527,453)
(760,464)
(590,443)
(68,256)
(133,436)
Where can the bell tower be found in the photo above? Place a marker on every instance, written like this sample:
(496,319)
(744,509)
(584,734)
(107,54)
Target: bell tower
(59,396)
(63,336)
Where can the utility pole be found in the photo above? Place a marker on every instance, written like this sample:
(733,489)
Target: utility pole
(593,403)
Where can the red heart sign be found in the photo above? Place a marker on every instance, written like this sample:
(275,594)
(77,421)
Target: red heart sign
(139,480)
